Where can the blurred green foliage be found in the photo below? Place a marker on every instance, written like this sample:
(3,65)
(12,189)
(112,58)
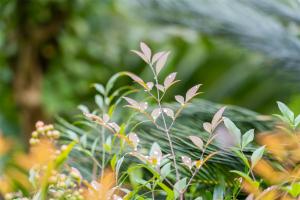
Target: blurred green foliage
(95,41)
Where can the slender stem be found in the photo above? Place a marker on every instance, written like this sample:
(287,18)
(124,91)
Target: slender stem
(95,170)
(197,169)
(250,168)
(103,142)
(166,129)
(103,152)
(249,172)
(153,189)
(170,142)
(96,162)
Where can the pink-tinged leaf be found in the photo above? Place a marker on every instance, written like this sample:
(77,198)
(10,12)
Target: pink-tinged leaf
(143,106)
(94,118)
(115,126)
(134,139)
(169,80)
(197,141)
(161,62)
(132,102)
(217,117)
(155,113)
(180,99)
(141,55)
(146,51)
(106,118)
(207,127)
(157,56)
(187,161)
(169,112)
(160,87)
(224,138)
(150,85)
(192,92)
(135,77)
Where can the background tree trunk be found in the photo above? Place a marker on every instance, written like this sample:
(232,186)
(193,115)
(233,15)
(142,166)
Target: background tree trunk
(27,87)
(30,62)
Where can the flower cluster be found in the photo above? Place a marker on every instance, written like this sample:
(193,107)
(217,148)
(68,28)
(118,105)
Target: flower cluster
(43,130)
(66,186)
(15,195)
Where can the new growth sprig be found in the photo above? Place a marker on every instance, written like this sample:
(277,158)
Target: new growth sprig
(161,116)
(164,118)
(119,138)
(156,151)
(157,63)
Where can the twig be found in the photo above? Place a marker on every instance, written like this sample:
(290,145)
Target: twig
(166,130)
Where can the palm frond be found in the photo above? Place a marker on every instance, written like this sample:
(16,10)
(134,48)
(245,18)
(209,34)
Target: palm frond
(247,22)
(189,123)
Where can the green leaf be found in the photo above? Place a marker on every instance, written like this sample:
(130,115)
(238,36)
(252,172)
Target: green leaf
(85,151)
(235,131)
(165,170)
(199,198)
(136,177)
(242,156)
(83,108)
(170,193)
(246,177)
(247,138)
(53,166)
(179,187)
(111,82)
(282,118)
(218,193)
(106,101)
(113,162)
(99,101)
(64,155)
(297,121)
(107,145)
(139,180)
(100,88)
(294,189)
(72,135)
(257,155)
(118,165)
(83,141)
(286,111)
(111,109)
(94,146)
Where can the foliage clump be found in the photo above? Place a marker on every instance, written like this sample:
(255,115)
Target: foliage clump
(102,155)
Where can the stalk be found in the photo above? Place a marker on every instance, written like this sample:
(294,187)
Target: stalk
(166,129)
